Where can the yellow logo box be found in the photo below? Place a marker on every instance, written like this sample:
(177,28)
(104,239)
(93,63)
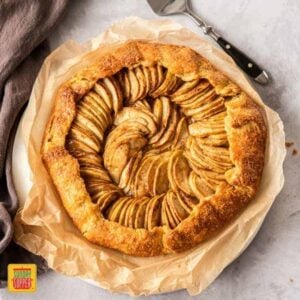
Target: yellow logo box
(21,277)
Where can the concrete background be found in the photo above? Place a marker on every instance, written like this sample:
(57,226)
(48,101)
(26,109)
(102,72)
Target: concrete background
(269,31)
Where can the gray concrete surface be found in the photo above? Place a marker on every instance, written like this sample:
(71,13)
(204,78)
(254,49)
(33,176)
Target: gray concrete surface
(270,32)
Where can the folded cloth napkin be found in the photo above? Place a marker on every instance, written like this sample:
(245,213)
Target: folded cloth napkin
(24,25)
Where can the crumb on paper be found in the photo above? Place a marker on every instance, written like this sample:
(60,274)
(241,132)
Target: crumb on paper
(291,280)
(289,144)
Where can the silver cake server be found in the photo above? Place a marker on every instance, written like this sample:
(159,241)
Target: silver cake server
(174,7)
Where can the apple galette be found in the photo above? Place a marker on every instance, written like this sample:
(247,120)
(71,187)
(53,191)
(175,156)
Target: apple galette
(152,150)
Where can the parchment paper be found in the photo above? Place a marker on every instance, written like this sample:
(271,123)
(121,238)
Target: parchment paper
(43,227)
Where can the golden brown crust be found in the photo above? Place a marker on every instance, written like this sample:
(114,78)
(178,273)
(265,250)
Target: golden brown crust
(244,125)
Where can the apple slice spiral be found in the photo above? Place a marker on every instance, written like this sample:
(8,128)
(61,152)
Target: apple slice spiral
(150,146)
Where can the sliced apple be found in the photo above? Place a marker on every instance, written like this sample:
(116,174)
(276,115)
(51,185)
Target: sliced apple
(154,80)
(142,82)
(213,158)
(147,104)
(178,173)
(178,211)
(160,181)
(149,177)
(181,134)
(198,158)
(141,179)
(214,140)
(85,110)
(115,159)
(174,86)
(158,110)
(89,159)
(123,79)
(171,210)
(169,130)
(144,107)
(127,87)
(172,221)
(120,77)
(211,182)
(218,117)
(140,214)
(166,86)
(134,138)
(116,93)
(123,211)
(89,126)
(101,89)
(161,74)
(147,75)
(220,154)
(96,187)
(209,110)
(218,121)
(95,103)
(166,113)
(106,199)
(157,77)
(198,186)
(134,86)
(73,145)
(213,175)
(184,88)
(185,202)
(192,158)
(207,96)
(125,176)
(133,114)
(203,109)
(87,121)
(94,172)
(114,212)
(164,216)
(118,152)
(85,137)
(201,130)
(196,90)
(125,128)
(130,184)
(132,211)
(152,214)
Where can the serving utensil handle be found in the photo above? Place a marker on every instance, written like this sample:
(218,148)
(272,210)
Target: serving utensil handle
(248,65)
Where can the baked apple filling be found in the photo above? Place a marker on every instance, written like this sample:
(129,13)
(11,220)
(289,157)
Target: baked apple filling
(150,145)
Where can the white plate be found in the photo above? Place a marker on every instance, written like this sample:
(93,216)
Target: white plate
(20,167)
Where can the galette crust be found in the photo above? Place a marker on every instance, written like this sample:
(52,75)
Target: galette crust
(245,127)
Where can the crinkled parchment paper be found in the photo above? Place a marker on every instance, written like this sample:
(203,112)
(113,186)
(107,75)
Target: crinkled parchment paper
(43,227)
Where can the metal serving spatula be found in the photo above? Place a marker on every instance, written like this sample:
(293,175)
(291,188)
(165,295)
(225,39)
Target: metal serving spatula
(173,7)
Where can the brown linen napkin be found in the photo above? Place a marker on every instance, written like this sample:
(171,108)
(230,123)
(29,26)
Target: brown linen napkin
(24,25)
